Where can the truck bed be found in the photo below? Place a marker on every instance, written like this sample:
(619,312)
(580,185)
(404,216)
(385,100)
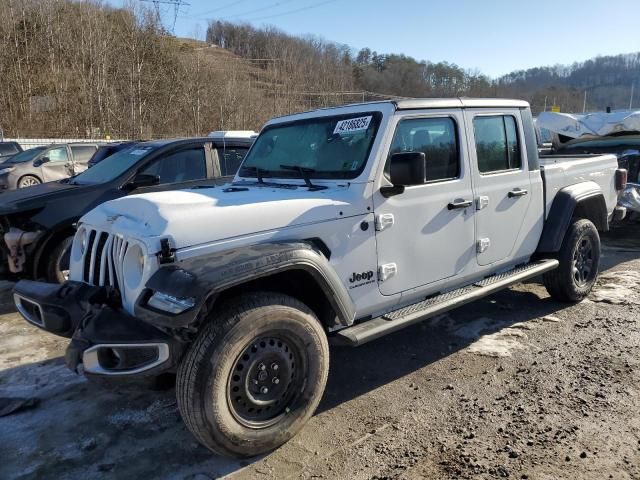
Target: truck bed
(560,171)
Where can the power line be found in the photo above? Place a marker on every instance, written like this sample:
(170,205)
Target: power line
(309,7)
(207,12)
(251,12)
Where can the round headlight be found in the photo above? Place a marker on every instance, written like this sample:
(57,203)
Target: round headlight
(133,266)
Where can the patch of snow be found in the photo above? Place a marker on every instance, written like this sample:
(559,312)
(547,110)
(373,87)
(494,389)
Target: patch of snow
(619,287)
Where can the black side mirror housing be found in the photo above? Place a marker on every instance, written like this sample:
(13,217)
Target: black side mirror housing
(405,169)
(40,161)
(142,180)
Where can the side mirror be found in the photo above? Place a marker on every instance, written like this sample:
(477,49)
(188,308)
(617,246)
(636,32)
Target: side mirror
(40,161)
(405,169)
(142,180)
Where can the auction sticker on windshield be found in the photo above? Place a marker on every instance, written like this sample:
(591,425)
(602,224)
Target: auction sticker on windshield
(353,125)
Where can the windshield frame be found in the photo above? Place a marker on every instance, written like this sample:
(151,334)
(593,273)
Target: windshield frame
(377,119)
(38,151)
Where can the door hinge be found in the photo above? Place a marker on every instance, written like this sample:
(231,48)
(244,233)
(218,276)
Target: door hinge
(387,271)
(384,221)
(482,245)
(481,202)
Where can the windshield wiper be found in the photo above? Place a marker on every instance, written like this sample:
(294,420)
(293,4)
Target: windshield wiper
(304,173)
(259,172)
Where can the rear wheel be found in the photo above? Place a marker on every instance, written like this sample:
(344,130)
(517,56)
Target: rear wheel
(58,261)
(579,259)
(28,181)
(254,375)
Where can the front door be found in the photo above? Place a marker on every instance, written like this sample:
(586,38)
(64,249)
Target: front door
(59,165)
(502,186)
(426,234)
(178,169)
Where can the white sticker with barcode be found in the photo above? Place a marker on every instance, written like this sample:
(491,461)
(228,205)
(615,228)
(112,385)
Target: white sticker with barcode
(352,125)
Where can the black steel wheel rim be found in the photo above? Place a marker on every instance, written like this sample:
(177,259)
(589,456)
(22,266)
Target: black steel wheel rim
(266,380)
(583,261)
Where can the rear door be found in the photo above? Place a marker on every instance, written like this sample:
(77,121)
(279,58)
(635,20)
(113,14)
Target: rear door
(426,233)
(502,183)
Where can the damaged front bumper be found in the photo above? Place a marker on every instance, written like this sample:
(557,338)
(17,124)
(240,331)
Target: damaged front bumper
(105,340)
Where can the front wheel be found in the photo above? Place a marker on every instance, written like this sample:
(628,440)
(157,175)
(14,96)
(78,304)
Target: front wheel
(579,259)
(28,181)
(254,375)
(58,262)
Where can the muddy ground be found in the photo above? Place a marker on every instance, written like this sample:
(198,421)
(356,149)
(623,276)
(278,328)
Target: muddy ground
(514,386)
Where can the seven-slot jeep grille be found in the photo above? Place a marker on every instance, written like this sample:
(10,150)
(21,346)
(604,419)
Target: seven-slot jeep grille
(103,259)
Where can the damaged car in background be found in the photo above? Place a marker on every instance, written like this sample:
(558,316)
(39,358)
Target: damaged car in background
(38,223)
(599,133)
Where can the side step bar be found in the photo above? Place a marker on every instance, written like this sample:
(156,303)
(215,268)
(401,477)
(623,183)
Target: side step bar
(405,316)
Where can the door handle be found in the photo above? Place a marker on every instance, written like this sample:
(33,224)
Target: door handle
(517,192)
(458,203)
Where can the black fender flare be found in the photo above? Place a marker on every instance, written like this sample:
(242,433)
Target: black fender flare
(204,276)
(563,208)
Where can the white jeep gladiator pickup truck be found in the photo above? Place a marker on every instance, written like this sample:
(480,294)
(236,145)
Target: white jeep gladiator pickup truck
(346,223)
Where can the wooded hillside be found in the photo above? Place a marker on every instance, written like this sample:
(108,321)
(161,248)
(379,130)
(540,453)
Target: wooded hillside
(85,69)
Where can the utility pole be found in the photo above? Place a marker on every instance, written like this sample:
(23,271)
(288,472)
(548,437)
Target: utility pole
(584,103)
(633,84)
(177,4)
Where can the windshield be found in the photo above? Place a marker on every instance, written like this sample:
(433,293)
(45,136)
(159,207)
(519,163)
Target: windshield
(327,147)
(113,166)
(25,156)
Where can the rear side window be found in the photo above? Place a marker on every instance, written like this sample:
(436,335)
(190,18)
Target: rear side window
(436,138)
(82,153)
(497,143)
(230,159)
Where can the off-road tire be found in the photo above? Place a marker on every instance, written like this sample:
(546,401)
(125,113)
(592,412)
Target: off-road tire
(28,181)
(55,273)
(206,375)
(562,283)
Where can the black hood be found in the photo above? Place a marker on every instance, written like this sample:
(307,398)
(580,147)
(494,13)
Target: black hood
(37,196)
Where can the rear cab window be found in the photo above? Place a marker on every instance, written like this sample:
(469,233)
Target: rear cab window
(497,143)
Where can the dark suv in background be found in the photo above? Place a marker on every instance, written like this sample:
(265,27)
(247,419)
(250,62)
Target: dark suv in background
(38,223)
(46,164)
(8,150)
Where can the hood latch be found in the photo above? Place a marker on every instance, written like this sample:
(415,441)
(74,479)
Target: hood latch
(166,253)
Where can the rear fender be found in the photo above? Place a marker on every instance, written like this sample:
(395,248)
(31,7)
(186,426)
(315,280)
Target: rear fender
(585,200)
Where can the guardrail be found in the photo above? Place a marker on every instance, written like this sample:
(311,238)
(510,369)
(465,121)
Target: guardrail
(27,143)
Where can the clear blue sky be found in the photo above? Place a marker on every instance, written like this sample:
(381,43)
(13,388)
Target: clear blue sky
(493,36)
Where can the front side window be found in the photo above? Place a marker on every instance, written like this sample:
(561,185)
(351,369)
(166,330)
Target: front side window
(183,166)
(436,138)
(57,154)
(497,145)
(328,147)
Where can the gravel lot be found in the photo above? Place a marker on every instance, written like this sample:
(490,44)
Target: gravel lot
(513,386)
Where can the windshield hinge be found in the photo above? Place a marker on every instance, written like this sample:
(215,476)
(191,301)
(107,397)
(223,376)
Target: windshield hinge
(166,253)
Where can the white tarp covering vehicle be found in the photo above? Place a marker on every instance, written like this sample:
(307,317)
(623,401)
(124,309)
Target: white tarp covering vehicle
(597,124)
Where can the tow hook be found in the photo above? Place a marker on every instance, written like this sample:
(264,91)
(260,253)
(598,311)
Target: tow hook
(166,254)
(16,240)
